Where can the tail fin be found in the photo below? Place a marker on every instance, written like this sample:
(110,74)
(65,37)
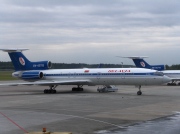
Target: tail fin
(100,65)
(21,63)
(141,63)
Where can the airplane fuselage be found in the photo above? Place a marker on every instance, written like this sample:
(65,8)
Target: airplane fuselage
(107,76)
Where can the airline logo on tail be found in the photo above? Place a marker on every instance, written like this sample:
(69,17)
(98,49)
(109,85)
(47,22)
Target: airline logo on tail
(22,61)
(142,64)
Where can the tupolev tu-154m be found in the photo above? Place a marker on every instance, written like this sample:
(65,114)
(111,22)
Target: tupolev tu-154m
(39,73)
(141,63)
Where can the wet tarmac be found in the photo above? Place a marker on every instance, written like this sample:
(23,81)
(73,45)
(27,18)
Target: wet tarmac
(27,109)
(165,125)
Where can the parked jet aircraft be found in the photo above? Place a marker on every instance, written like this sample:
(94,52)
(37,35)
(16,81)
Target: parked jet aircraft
(39,73)
(141,63)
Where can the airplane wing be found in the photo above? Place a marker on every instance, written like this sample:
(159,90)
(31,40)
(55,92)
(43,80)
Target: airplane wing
(175,79)
(47,83)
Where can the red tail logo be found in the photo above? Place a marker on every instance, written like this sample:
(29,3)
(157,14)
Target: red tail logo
(142,64)
(21,60)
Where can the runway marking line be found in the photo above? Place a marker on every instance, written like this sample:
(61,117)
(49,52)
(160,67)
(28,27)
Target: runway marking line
(14,122)
(74,116)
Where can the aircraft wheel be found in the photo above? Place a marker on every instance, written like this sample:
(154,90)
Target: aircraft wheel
(54,91)
(77,89)
(139,92)
(46,91)
(50,91)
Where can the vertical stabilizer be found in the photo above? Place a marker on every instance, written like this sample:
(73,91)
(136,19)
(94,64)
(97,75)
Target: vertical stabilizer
(21,63)
(141,63)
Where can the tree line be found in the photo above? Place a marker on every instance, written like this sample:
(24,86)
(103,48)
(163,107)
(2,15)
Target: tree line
(9,66)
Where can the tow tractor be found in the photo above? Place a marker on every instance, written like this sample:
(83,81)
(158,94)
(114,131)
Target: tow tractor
(107,89)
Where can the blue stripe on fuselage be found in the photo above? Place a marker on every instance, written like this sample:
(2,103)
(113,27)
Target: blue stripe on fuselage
(102,74)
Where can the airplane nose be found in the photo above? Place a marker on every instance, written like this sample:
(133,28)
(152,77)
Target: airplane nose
(166,79)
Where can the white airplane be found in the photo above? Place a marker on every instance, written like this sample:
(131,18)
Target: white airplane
(38,73)
(141,63)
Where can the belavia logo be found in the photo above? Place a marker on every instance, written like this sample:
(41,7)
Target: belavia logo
(21,60)
(142,64)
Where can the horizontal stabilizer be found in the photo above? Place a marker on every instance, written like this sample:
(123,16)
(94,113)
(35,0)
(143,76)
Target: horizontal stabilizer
(135,57)
(14,50)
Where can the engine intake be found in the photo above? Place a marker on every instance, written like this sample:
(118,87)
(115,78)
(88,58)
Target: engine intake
(49,64)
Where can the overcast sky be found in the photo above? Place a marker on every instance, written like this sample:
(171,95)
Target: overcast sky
(92,31)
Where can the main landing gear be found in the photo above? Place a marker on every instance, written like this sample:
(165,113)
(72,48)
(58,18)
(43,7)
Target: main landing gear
(51,90)
(78,88)
(139,92)
(172,83)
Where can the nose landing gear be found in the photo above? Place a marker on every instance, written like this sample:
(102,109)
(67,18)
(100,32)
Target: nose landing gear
(139,92)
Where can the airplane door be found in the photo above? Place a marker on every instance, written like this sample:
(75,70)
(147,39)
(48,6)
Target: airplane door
(98,76)
(123,75)
(69,75)
(75,75)
(72,75)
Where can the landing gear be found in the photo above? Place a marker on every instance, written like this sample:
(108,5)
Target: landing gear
(139,92)
(78,88)
(51,90)
(171,84)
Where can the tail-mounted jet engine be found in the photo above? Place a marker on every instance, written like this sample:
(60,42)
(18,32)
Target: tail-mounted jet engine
(32,75)
(40,65)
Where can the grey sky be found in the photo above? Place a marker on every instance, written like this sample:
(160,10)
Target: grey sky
(92,31)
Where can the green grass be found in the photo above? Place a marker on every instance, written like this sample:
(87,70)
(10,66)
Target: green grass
(6,75)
